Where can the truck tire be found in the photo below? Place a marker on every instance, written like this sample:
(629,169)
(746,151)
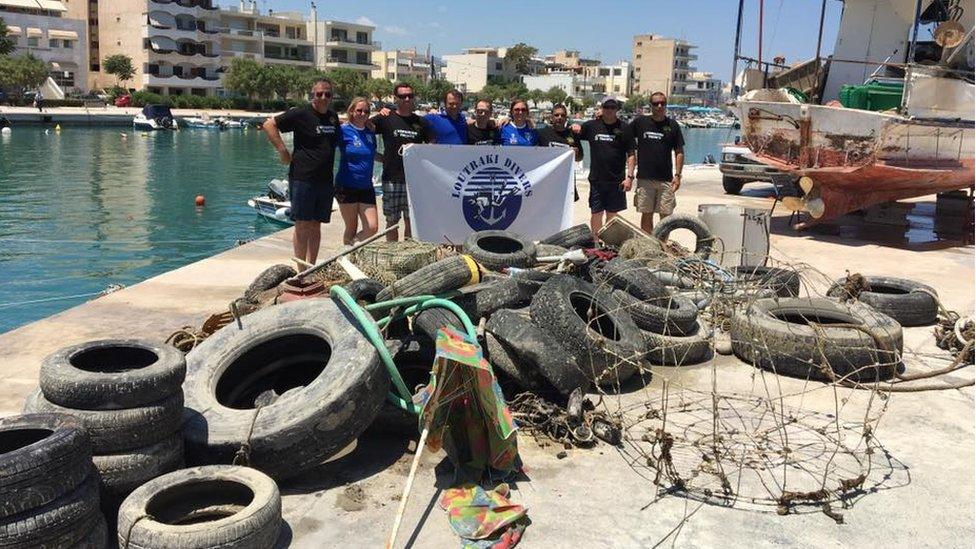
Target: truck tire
(632,277)
(112,374)
(536,349)
(124,472)
(269,278)
(784,282)
(774,334)
(909,302)
(61,523)
(299,377)
(496,250)
(202,507)
(732,185)
(676,350)
(703,236)
(442,276)
(119,430)
(42,458)
(587,321)
(675,315)
(577,236)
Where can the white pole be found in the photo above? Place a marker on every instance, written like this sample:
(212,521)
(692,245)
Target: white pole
(406,489)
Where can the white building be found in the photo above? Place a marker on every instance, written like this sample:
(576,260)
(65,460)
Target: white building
(603,80)
(339,44)
(567,81)
(471,71)
(395,65)
(40,28)
(703,89)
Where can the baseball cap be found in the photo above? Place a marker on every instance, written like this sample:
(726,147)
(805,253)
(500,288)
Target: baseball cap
(607,101)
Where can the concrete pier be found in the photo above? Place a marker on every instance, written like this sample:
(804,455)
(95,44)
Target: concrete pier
(922,497)
(104,116)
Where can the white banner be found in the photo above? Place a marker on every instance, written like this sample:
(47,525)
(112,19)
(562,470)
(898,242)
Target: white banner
(455,190)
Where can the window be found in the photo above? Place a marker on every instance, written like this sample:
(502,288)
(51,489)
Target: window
(616,88)
(391,76)
(617,72)
(639,44)
(54,43)
(32,42)
(498,66)
(69,44)
(362,37)
(638,56)
(362,58)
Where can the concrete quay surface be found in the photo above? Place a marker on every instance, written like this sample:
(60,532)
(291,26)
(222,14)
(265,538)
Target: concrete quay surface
(106,116)
(918,493)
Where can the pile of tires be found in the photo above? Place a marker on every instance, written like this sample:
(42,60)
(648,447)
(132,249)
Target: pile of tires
(292,386)
(127,393)
(201,508)
(48,490)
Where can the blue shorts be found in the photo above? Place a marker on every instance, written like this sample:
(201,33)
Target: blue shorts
(310,201)
(607,196)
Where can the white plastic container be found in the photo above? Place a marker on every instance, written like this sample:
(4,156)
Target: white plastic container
(741,234)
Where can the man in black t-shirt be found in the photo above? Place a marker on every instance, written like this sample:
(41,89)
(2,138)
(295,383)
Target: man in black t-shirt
(657,136)
(611,162)
(316,130)
(482,130)
(398,128)
(558,134)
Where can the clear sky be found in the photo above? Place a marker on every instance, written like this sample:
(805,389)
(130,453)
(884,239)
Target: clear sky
(599,29)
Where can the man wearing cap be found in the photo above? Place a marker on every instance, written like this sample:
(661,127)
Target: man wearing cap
(657,181)
(558,134)
(611,162)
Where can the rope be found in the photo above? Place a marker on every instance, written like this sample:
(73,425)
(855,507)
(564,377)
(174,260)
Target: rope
(128,534)
(243,455)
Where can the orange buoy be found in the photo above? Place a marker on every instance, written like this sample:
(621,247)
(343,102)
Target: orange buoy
(200,201)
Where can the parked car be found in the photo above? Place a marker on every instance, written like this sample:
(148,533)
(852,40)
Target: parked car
(737,170)
(123,101)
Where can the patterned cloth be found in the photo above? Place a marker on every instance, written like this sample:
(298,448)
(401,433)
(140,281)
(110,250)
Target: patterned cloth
(464,410)
(484,519)
(395,201)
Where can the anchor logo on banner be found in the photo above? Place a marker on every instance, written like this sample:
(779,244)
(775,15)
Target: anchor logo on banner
(492,197)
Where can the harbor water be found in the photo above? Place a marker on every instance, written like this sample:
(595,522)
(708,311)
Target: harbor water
(84,209)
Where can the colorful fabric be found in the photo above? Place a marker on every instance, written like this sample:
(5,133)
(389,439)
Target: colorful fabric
(484,519)
(464,410)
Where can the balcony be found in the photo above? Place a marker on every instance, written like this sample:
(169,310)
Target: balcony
(172,80)
(343,63)
(342,42)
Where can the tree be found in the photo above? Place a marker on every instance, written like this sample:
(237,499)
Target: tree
(556,95)
(635,103)
(435,90)
(535,96)
(120,66)
(516,90)
(492,92)
(285,80)
(22,72)
(7,43)
(519,55)
(347,83)
(378,88)
(242,76)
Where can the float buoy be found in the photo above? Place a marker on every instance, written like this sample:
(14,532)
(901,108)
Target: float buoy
(200,200)
(5,130)
(57,128)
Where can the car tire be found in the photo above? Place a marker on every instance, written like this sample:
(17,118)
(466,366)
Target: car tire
(674,315)
(442,276)
(732,185)
(497,250)
(577,236)
(607,346)
(504,359)
(783,282)
(114,431)
(703,236)
(909,302)
(632,277)
(111,374)
(506,293)
(774,334)
(268,279)
(549,250)
(60,523)
(45,456)
(676,350)
(122,473)
(202,507)
(322,376)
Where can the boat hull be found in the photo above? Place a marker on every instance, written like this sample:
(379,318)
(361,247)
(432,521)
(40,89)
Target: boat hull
(849,159)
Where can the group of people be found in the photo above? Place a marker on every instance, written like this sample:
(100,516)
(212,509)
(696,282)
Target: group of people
(622,156)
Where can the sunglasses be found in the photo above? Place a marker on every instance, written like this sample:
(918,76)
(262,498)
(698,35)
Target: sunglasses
(659,103)
(482,111)
(361,111)
(326,95)
(520,110)
(406,96)
(559,115)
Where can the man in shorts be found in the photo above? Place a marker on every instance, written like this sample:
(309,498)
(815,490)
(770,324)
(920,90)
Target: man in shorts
(310,164)
(611,162)
(399,128)
(657,181)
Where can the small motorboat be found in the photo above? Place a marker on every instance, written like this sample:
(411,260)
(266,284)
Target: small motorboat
(230,124)
(275,205)
(155,117)
(201,123)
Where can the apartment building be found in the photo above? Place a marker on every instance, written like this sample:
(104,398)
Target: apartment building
(45,29)
(570,60)
(472,70)
(566,80)
(395,65)
(662,64)
(184,46)
(704,89)
(604,80)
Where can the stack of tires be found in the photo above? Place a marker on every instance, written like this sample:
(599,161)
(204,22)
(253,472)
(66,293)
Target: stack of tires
(128,395)
(48,490)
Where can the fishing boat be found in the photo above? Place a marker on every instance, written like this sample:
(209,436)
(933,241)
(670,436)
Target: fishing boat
(154,117)
(916,141)
(275,204)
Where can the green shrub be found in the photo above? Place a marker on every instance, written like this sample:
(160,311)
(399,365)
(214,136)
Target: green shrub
(143,98)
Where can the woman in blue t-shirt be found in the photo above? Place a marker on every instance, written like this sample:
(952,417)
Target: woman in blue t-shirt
(354,181)
(518,132)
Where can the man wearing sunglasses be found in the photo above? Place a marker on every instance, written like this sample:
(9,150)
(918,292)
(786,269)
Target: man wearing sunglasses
(657,180)
(558,134)
(399,128)
(483,131)
(611,162)
(310,183)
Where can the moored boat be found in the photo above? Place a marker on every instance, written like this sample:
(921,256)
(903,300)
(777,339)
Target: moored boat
(154,117)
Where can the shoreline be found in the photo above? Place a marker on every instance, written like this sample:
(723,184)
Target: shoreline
(109,116)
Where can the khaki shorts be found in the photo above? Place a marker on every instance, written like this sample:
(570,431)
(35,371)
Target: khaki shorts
(653,196)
